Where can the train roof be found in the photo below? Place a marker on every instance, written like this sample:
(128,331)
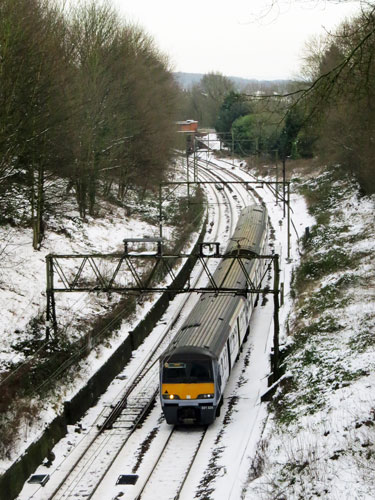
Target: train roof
(189,352)
(209,323)
(247,237)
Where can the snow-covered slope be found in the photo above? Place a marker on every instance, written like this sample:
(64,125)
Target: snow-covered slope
(23,270)
(319,441)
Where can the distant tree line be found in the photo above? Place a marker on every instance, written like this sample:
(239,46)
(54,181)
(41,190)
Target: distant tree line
(250,126)
(338,101)
(262,126)
(204,99)
(84,98)
(330,112)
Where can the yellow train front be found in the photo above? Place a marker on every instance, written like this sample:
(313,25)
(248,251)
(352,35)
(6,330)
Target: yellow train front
(196,366)
(188,376)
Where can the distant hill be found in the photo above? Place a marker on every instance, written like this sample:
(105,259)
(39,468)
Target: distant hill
(187,80)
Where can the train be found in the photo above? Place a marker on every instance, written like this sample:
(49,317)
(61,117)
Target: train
(196,366)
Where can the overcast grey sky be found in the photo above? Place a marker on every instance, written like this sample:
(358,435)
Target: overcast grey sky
(232,36)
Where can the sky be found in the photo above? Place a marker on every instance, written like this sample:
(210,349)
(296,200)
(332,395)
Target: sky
(238,37)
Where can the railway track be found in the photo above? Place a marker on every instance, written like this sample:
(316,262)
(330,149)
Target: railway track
(171,474)
(237,177)
(158,473)
(79,476)
(173,481)
(175,468)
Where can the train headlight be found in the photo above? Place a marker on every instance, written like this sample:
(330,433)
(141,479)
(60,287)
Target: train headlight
(171,396)
(205,396)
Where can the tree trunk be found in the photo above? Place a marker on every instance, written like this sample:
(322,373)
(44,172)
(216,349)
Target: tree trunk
(92,186)
(81,190)
(38,218)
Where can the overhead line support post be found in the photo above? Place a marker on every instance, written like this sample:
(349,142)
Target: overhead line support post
(277,175)
(232,147)
(195,157)
(288,218)
(187,177)
(276,332)
(160,212)
(277,184)
(284,181)
(51,308)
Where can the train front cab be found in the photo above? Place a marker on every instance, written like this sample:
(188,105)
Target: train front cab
(187,388)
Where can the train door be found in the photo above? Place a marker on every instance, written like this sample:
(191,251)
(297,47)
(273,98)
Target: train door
(224,366)
(243,324)
(240,336)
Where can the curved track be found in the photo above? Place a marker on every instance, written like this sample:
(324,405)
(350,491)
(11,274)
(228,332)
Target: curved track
(79,474)
(173,454)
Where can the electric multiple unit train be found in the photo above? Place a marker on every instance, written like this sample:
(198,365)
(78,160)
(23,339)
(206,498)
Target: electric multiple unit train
(195,368)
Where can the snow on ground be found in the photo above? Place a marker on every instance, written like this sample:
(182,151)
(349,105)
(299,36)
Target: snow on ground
(225,457)
(25,297)
(67,449)
(23,270)
(319,439)
(323,446)
(22,295)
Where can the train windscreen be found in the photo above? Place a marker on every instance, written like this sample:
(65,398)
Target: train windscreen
(187,372)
